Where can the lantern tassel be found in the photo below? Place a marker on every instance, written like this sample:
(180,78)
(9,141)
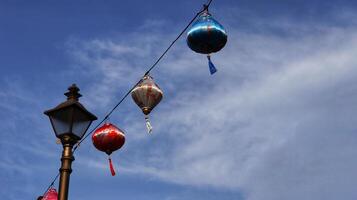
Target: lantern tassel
(148,124)
(111,167)
(212,68)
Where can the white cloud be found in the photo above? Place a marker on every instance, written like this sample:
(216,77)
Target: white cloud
(25,139)
(276,122)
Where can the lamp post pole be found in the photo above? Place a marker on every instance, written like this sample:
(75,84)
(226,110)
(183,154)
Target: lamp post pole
(70,120)
(65,170)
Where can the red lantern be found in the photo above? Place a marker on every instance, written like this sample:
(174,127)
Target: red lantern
(108,138)
(51,194)
(147,94)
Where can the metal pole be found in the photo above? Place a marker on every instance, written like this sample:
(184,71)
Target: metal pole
(65,171)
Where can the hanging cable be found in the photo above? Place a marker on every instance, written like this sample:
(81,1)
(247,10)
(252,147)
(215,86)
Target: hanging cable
(146,73)
(52,184)
(209,3)
(127,94)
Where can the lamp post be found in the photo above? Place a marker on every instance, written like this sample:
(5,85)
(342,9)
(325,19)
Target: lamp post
(70,120)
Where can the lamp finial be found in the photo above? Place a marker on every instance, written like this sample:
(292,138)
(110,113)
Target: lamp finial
(73,93)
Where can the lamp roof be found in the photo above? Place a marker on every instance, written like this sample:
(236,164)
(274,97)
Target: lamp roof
(72,101)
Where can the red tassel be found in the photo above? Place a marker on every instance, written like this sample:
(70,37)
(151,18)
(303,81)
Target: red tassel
(111,167)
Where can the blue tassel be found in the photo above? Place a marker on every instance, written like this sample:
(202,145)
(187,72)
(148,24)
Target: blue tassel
(212,68)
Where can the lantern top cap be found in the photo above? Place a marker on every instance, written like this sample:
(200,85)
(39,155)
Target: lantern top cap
(147,76)
(205,10)
(73,93)
(205,7)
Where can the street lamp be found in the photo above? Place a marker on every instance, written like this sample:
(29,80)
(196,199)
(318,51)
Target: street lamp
(70,120)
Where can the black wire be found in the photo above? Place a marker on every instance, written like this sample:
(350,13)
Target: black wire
(52,183)
(173,42)
(127,94)
(146,73)
(104,119)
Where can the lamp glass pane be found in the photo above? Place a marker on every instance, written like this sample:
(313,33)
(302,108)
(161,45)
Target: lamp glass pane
(61,121)
(81,123)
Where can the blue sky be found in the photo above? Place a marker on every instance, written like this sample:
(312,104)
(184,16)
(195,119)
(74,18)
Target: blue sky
(277,121)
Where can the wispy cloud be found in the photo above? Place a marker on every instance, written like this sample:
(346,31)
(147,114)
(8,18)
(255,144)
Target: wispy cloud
(276,122)
(25,138)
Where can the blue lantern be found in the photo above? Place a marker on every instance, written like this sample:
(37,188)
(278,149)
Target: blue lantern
(206,36)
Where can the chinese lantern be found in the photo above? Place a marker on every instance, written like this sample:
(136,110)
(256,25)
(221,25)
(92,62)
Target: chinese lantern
(51,194)
(147,94)
(108,138)
(206,36)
